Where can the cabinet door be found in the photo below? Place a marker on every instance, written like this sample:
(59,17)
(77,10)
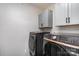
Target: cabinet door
(45,18)
(60,14)
(74,13)
(40,20)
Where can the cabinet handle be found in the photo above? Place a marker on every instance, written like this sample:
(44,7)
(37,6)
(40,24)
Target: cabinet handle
(41,25)
(66,20)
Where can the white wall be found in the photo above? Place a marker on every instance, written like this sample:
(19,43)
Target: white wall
(16,21)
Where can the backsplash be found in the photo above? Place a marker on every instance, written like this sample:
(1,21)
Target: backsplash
(74,40)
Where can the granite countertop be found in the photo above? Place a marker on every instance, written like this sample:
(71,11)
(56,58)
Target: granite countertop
(72,34)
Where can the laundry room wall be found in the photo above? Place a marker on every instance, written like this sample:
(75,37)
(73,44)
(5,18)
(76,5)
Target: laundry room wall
(16,21)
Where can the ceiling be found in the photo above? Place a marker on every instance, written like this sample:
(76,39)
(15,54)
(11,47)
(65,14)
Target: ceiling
(41,5)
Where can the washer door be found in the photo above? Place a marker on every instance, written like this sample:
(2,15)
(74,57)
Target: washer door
(52,49)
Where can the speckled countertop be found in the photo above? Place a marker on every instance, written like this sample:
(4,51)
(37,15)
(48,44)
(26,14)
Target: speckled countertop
(72,34)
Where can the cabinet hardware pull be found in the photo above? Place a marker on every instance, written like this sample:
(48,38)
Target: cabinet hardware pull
(41,25)
(66,20)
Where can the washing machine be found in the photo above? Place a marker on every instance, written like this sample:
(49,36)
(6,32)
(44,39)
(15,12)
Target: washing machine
(53,49)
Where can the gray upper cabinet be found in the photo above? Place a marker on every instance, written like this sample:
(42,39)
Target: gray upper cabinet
(66,14)
(45,19)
